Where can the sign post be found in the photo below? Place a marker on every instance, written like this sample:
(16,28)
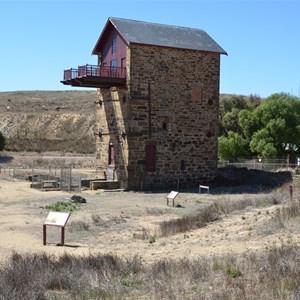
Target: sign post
(205,187)
(58,219)
(172,197)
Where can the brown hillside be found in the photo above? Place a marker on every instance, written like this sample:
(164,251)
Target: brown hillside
(48,120)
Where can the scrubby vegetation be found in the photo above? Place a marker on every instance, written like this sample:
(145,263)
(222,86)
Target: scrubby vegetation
(272,273)
(64,121)
(71,143)
(215,211)
(63,206)
(48,121)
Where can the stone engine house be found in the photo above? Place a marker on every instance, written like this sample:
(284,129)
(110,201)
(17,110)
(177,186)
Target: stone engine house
(158,103)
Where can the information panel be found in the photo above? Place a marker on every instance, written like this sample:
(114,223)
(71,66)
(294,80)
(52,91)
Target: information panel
(173,195)
(57,218)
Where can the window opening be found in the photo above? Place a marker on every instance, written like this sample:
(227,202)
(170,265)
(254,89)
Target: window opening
(164,122)
(114,46)
(114,63)
(113,67)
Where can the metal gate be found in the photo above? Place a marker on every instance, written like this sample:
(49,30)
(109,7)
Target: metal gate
(68,181)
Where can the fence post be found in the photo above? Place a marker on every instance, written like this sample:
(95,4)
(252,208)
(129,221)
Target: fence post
(291,191)
(44,235)
(70,178)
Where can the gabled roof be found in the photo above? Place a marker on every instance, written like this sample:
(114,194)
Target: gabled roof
(138,32)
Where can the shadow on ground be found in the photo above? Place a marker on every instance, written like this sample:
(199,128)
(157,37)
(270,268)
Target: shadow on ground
(242,180)
(5,159)
(232,180)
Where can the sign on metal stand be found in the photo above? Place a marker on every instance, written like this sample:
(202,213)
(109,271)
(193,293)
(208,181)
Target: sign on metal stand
(58,219)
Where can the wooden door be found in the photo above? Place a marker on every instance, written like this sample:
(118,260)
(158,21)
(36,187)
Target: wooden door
(150,158)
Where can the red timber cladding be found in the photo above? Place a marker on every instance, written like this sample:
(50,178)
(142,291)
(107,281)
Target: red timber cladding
(120,53)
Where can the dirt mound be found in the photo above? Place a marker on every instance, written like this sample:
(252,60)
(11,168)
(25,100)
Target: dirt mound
(255,179)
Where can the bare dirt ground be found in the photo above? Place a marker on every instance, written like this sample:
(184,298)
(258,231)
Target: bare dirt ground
(115,222)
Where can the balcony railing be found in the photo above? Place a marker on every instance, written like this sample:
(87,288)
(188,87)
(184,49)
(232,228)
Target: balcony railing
(70,74)
(95,76)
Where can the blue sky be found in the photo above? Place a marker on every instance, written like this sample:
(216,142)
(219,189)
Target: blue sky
(39,39)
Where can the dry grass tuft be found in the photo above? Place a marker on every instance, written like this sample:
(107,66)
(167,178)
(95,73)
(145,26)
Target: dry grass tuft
(273,274)
(190,222)
(215,211)
(78,226)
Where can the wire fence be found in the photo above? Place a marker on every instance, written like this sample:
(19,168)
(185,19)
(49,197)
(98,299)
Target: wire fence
(72,178)
(271,165)
(66,178)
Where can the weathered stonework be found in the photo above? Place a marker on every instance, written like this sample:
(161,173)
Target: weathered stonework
(181,118)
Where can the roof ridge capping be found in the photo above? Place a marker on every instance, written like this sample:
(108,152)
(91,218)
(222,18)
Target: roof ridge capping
(156,34)
(154,23)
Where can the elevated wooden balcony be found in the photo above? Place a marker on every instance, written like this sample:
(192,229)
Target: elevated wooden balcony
(95,76)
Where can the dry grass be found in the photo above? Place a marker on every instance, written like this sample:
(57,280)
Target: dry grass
(220,207)
(47,101)
(48,121)
(70,143)
(40,276)
(273,274)
(201,218)
(79,225)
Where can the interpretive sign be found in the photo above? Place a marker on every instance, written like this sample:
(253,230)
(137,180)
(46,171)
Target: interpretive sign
(172,197)
(58,219)
(203,187)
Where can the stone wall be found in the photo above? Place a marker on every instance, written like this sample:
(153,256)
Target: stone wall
(181,118)
(111,130)
(184,88)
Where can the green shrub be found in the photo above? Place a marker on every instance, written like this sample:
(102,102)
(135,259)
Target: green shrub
(233,272)
(63,206)
(152,239)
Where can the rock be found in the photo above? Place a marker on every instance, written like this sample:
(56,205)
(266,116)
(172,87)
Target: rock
(77,199)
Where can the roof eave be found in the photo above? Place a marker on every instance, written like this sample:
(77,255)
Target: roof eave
(181,48)
(109,21)
(224,52)
(119,32)
(95,52)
